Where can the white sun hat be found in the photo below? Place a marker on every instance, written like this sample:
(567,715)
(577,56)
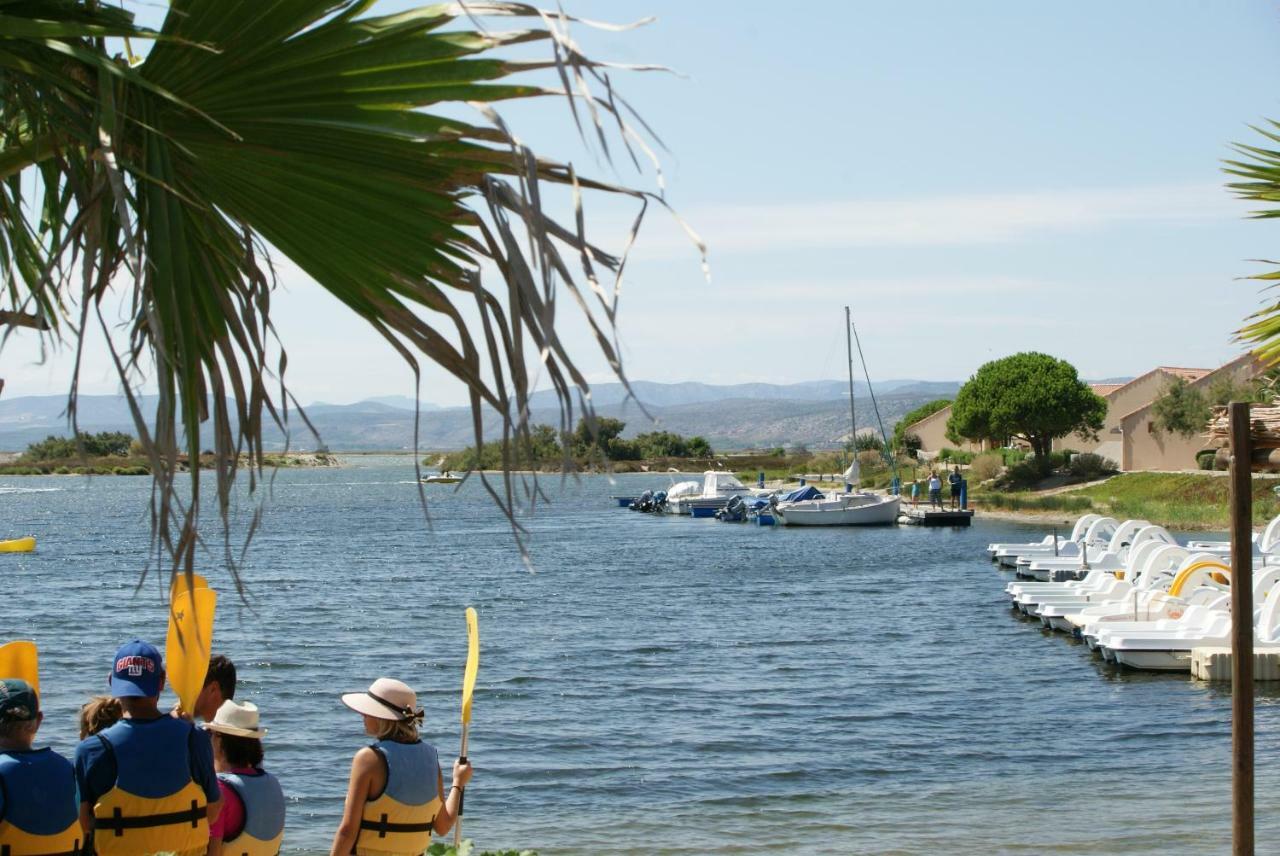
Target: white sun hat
(386,698)
(238,720)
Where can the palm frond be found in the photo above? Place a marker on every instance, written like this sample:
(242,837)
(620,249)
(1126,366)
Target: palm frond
(319,132)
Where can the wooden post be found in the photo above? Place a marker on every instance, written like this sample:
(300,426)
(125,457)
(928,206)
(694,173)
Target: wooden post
(1241,633)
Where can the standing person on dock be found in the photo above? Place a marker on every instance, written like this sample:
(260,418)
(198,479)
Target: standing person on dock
(954,479)
(393,800)
(39,810)
(935,490)
(147,783)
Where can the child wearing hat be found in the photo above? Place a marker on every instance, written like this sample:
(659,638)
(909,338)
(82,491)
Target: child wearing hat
(393,799)
(251,821)
(147,783)
(39,807)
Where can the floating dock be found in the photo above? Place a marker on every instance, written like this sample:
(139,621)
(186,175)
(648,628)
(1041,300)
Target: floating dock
(1214,664)
(923,516)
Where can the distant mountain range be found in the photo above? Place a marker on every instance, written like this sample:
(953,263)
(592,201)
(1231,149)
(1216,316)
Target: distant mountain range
(737,416)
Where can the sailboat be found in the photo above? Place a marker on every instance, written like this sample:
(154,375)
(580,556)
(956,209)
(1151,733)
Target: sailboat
(852,507)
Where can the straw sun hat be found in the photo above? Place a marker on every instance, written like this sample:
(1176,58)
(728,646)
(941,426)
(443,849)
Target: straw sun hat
(238,720)
(386,698)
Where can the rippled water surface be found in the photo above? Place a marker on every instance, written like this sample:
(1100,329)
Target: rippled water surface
(658,684)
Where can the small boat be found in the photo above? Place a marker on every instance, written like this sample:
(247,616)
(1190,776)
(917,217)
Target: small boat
(852,508)
(18,545)
(705,500)
(441,478)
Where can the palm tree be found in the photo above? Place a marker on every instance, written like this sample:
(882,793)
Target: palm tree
(316,130)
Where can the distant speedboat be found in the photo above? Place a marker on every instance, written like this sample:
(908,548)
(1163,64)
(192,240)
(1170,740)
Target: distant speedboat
(441,478)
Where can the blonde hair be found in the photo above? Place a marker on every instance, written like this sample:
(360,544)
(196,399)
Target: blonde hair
(98,713)
(397,730)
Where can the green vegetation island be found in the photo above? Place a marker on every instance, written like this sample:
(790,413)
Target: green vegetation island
(114,453)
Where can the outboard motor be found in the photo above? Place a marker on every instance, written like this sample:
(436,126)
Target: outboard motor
(643,501)
(659,502)
(735,511)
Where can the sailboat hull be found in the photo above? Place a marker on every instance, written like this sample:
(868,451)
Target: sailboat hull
(866,510)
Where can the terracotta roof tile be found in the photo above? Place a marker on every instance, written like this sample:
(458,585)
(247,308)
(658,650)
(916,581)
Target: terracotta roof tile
(1185,373)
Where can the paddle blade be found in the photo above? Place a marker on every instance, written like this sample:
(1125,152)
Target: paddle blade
(19,660)
(182,583)
(473,663)
(190,642)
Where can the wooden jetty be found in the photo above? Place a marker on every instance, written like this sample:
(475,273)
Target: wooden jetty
(923,515)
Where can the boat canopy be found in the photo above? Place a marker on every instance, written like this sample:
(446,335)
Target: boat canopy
(801,494)
(716,483)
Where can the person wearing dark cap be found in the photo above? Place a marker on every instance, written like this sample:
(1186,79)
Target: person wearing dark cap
(38,802)
(147,783)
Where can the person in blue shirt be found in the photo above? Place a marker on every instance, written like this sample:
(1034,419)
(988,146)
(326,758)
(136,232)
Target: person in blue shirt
(147,783)
(38,801)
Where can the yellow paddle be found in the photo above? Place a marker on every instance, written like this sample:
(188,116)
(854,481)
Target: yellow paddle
(189,643)
(468,687)
(19,660)
(180,583)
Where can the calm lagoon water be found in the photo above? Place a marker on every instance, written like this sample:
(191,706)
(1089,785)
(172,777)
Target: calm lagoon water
(656,685)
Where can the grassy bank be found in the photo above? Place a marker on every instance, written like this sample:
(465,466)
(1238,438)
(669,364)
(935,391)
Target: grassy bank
(1175,500)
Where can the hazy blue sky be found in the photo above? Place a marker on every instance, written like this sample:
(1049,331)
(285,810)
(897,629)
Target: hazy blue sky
(972,178)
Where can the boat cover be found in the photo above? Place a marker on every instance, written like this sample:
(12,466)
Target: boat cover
(801,494)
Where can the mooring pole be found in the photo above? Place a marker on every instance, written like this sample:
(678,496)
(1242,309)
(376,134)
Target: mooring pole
(1241,633)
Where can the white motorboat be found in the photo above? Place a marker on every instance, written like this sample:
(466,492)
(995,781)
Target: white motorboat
(713,494)
(678,494)
(441,478)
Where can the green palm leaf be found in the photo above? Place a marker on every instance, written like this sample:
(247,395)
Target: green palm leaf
(304,128)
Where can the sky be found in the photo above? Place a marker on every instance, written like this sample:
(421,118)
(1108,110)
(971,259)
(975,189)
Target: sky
(971,179)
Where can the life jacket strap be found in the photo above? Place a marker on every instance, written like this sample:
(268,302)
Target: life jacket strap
(4,851)
(382,826)
(119,823)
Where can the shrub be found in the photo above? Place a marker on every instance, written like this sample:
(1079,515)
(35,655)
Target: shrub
(1090,466)
(911,444)
(1205,458)
(955,456)
(986,466)
(1013,456)
(1022,475)
(870,461)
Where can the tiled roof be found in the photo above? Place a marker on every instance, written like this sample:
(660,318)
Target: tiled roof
(1184,373)
(1105,389)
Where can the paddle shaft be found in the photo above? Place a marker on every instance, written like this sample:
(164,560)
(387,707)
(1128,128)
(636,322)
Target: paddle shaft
(462,795)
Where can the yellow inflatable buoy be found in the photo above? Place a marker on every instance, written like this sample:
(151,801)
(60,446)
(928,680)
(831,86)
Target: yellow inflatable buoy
(18,545)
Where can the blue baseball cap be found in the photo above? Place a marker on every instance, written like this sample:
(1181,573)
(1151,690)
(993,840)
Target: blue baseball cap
(137,671)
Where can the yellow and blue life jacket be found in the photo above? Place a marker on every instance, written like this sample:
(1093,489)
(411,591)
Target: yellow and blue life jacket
(263,814)
(154,805)
(40,812)
(399,822)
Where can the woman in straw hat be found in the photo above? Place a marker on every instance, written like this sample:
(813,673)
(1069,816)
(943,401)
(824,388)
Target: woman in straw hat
(252,818)
(394,800)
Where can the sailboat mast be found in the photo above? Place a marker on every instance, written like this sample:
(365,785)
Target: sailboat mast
(853,419)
